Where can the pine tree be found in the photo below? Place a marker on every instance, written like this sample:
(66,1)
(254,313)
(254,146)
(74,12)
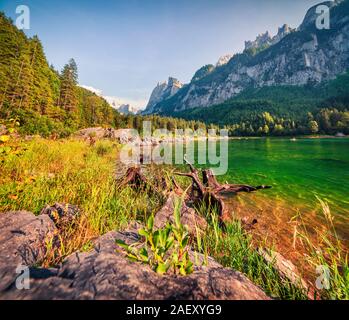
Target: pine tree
(68,92)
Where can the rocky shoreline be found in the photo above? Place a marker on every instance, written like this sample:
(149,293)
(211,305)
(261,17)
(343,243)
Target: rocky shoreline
(104,272)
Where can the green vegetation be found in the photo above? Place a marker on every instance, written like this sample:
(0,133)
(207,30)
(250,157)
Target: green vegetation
(166,249)
(234,248)
(203,72)
(329,257)
(43,100)
(71,171)
(282,110)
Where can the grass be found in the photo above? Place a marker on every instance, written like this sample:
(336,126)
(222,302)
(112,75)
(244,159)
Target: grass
(42,172)
(72,171)
(328,256)
(233,248)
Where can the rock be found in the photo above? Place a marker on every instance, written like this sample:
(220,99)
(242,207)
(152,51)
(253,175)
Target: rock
(22,242)
(285,268)
(223,60)
(97,133)
(62,214)
(162,92)
(127,136)
(105,273)
(188,216)
(340,135)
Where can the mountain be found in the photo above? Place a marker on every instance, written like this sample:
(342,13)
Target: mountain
(223,60)
(162,91)
(116,103)
(264,40)
(306,56)
(121,107)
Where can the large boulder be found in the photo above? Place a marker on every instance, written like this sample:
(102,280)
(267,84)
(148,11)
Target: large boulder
(22,242)
(105,273)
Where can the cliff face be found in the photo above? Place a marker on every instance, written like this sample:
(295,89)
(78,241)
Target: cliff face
(162,92)
(305,56)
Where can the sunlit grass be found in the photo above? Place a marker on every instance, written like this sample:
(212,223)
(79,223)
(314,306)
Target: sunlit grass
(328,256)
(233,248)
(72,171)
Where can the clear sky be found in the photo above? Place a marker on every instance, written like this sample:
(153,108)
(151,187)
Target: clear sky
(124,47)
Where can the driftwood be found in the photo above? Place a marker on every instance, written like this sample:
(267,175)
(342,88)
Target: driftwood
(211,192)
(134,177)
(208,190)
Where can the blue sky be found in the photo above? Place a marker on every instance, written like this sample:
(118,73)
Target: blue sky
(124,47)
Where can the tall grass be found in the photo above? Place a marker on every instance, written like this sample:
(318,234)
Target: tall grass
(233,248)
(74,172)
(328,256)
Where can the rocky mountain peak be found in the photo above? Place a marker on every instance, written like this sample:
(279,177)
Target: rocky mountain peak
(223,60)
(261,40)
(265,39)
(311,14)
(309,56)
(163,91)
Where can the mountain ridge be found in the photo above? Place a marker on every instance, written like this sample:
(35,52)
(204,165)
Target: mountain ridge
(301,57)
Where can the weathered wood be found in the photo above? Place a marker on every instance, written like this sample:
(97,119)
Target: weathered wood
(206,190)
(134,177)
(211,192)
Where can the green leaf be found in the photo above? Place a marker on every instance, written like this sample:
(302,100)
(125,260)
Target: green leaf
(122,244)
(132,257)
(143,233)
(169,243)
(190,268)
(185,241)
(175,258)
(144,254)
(177,213)
(182,271)
(161,268)
(150,223)
(156,238)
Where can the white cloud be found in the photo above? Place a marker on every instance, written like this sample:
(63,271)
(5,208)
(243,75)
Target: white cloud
(92,89)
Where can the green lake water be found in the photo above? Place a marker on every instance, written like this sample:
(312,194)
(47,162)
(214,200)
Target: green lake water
(299,171)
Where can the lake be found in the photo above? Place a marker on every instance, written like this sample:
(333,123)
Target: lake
(300,171)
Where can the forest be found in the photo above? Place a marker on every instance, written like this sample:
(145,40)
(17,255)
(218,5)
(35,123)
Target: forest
(282,110)
(49,102)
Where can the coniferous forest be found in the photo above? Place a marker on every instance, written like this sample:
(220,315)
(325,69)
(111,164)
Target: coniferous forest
(47,101)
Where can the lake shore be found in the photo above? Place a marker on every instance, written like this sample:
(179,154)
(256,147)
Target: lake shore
(83,175)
